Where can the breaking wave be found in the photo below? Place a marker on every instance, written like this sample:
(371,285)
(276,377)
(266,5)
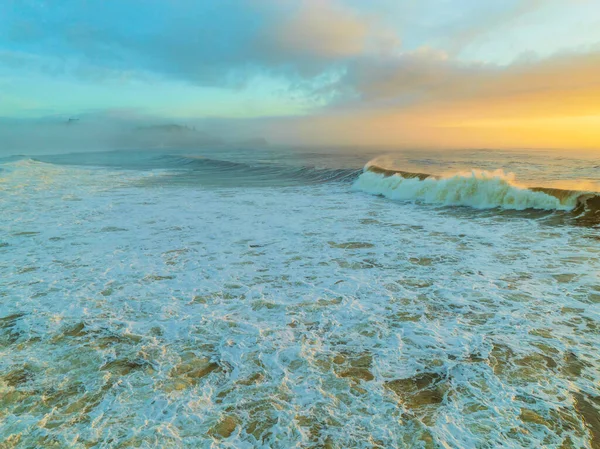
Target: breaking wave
(477,188)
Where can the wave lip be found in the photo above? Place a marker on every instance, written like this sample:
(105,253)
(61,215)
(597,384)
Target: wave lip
(477,188)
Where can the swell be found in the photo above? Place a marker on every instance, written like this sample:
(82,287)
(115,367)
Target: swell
(198,169)
(257,173)
(477,189)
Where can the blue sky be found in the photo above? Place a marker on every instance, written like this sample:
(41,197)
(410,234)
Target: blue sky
(282,58)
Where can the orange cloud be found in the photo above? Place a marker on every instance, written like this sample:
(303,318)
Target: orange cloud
(423,99)
(321,28)
(427,76)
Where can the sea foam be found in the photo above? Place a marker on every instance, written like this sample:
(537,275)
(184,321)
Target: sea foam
(478,189)
(165,314)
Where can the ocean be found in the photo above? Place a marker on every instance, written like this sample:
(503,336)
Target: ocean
(284,298)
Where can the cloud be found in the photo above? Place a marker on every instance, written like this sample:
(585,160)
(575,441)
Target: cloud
(465,33)
(426,99)
(213,43)
(339,56)
(319,29)
(426,77)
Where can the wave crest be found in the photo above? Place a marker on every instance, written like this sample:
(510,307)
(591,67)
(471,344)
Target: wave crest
(477,188)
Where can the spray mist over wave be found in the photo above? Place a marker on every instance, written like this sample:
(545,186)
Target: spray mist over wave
(479,189)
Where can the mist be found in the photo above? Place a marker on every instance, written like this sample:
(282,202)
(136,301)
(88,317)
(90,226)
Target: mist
(68,135)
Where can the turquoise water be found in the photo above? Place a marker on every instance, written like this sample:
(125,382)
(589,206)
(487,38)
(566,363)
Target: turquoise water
(267,298)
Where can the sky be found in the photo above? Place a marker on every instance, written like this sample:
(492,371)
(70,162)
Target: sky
(403,73)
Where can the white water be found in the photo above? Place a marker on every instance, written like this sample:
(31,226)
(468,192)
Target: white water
(479,189)
(307,299)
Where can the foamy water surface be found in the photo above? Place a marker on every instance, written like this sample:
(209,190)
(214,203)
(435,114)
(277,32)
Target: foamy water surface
(136,312)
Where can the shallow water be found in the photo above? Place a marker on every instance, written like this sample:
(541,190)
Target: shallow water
(155,301)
